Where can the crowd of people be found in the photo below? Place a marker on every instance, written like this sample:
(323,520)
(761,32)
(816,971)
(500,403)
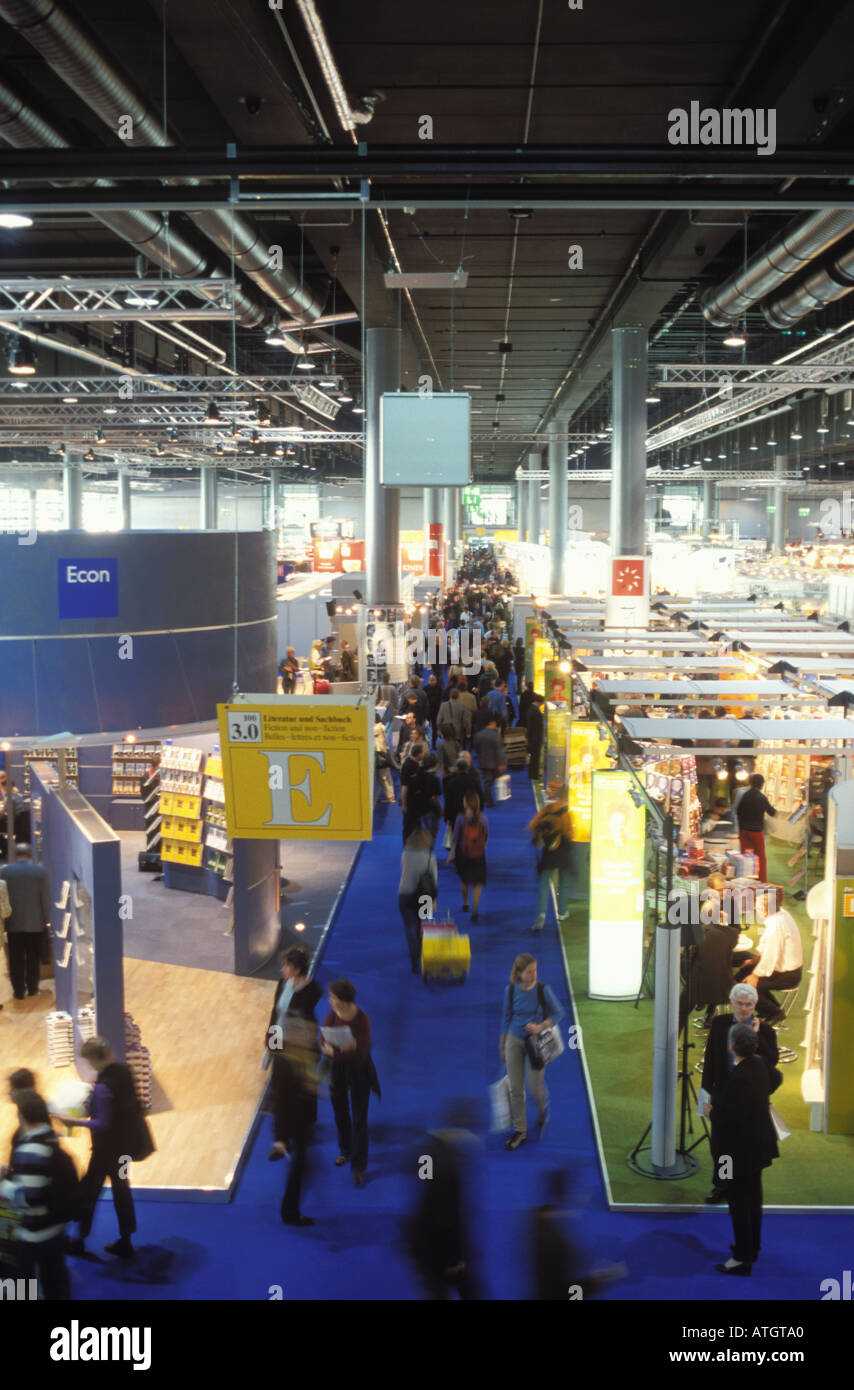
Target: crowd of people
(441,747)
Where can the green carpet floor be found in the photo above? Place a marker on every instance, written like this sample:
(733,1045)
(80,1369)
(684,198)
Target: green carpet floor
(813,1169)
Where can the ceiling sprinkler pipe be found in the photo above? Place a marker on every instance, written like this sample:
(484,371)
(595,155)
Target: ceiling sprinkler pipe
(329,68)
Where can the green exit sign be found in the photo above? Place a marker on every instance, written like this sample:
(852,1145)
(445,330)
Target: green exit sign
(770,509)
(804,511)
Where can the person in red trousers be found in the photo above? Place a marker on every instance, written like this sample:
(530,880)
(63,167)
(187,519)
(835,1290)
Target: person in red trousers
(753,807)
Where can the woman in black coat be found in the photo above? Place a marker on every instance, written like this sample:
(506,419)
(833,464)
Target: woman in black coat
(747,1143)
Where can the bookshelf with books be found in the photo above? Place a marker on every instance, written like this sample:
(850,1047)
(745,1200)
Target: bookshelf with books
(195,851)
(218,849)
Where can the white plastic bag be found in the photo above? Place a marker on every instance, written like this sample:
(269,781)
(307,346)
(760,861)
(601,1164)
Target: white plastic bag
(499,1103)
(502,787)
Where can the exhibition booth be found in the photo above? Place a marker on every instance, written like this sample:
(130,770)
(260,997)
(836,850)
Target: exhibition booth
(631,734)
(107,716)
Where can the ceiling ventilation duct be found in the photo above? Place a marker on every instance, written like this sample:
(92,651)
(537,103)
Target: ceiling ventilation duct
(147,232)
(77,57)
(802,242)
(822,286)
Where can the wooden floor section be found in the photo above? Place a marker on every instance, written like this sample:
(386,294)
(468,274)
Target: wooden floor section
(205,1032)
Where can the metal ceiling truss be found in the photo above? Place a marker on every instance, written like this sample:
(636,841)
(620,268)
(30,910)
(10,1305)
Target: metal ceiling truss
(656,474)
(127,388)
(744,374)
(841,356)
(102,299)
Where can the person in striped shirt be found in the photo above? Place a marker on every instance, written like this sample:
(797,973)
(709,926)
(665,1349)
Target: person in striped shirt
(29,1184)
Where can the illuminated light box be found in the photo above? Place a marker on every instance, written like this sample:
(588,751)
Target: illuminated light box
(425,441)
(617,853)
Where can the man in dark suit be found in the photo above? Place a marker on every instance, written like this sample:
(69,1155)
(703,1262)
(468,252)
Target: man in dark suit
(534,728)
(348,663)
(490,755)
(718,1062)
(747,1144)
(30,899)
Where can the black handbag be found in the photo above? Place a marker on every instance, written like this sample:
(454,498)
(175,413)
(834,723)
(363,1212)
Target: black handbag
(143,1145)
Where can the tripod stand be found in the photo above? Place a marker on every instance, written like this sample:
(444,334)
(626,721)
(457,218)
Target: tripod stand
(685,1162)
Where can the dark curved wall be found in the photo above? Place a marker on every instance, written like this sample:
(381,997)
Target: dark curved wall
(175,598)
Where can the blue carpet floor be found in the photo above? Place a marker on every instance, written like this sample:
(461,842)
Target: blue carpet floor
(432,1043)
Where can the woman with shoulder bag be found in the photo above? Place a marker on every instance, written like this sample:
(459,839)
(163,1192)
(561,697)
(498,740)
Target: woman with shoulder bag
(419,878)
(529,1008)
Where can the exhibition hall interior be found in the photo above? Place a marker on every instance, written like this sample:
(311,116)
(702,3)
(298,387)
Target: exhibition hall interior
(426,652)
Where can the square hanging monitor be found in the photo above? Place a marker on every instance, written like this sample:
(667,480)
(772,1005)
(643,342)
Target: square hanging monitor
(425,440)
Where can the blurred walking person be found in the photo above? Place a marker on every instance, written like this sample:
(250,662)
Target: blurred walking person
(294,1084)
(116,1124)
(551,830)
(468,851)
(352,1075)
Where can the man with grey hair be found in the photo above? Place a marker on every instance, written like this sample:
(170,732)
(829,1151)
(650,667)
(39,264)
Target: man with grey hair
(747,1143)
(718,1061)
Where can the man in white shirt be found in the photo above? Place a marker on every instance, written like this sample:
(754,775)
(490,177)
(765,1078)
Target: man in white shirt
(779,961)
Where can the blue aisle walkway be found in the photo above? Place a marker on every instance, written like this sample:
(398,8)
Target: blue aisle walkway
(431,1043)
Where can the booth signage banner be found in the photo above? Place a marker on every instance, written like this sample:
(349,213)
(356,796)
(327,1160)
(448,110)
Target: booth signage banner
(627,603)
(435,549)
(558,683)
(352,556)
(326,556)
(88,588)
(382,645)
(617,858)
(533,630)
(587,752)
(543,652)
(558,690)
(840,1093)
(298,769)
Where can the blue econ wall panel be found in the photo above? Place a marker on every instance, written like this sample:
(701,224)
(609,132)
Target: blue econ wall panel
(172,592)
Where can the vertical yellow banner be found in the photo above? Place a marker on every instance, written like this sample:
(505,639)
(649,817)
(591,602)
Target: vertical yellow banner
(617,855)
(587,752)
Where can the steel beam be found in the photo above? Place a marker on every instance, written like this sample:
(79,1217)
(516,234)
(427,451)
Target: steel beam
(363,161)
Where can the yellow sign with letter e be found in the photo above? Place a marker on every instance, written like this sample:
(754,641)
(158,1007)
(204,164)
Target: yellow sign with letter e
(298,768)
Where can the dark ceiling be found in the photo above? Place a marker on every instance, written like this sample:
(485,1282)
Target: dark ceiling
(503,74)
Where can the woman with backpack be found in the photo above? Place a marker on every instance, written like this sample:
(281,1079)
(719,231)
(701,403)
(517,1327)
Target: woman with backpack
(419,879)
(551,830)
(529,1008)
(468,851)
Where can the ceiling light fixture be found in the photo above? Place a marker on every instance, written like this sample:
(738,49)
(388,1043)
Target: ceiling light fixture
(141,301)
(12,220)
(21,359)
(736,339)
(212,415)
